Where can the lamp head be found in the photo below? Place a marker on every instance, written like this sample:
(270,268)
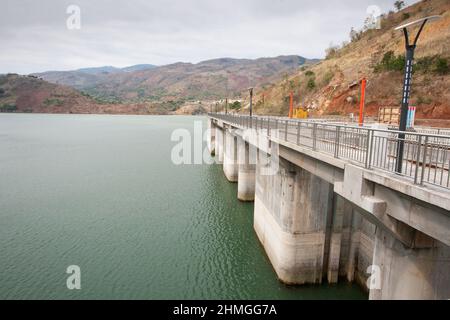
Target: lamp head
(416,22)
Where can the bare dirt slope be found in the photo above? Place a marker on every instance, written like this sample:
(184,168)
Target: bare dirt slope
(29,94)
(331,86)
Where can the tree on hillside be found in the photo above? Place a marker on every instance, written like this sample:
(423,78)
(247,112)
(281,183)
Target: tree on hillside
(399,5)
(331,51)
(235,105)
(355,35)
(311,84)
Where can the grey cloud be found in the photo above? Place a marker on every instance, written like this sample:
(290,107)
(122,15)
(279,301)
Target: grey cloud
(35,38)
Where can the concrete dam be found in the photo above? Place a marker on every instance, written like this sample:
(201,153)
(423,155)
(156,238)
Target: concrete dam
(330,204)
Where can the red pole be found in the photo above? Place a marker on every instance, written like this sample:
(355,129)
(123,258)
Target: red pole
(361,106)
(291,104)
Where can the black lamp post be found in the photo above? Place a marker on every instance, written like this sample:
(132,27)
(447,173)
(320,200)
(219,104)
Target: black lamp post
(409,61)
(251,101)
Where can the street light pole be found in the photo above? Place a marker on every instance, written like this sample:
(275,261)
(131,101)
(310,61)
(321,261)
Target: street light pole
(251,101)
(409,61)
(362,102)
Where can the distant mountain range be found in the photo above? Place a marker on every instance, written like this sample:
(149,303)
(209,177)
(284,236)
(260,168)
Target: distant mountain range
(88,77)
(110,69)
(212,79)
(142,89)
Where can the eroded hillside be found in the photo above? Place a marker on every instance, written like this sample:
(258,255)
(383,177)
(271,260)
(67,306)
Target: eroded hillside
(29,94)
(331,86)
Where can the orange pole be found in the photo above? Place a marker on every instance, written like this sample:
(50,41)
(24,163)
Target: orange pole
(361,106)
(291,104)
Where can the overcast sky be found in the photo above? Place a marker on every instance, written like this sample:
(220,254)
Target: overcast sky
(34,36)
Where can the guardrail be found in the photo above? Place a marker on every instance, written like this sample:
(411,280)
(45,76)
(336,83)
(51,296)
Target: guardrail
(426,157)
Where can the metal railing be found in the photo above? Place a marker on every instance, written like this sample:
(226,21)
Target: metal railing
(426,157)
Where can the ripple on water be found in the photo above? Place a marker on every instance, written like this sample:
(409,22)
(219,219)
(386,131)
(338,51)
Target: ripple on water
(103,194)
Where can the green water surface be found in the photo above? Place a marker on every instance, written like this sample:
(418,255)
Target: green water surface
(102,193)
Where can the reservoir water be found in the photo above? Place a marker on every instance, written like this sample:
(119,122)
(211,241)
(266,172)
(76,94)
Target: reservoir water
(102,193)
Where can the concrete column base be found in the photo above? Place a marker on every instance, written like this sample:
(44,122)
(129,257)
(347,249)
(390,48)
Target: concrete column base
(211,137)
(340,206)
(219,146)
(247,171)
(410,274)
(230,163)
(297,259)
(290,222)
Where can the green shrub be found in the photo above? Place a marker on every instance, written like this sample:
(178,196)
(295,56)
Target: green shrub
(441,66)
(423,100)
(434,64)
(235,105)
(335,113)
(424,64)
(420,100)
(331,52)
(53,102)
(390,62)
(399,5)
(311,84)
(328,77)
(3,80)
(291,84)
(8,108)
(141,93)
(309,73)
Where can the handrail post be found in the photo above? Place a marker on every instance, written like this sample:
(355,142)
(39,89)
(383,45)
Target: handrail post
(314,134)
(424,159)
(298,133)
(416,172)
(336,142)
(369,149)
(286,130)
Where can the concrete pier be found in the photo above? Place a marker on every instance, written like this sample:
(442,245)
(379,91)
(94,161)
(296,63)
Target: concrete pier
(211,139)
(219,144)
(335,245)
(290,222)
(247,171)
(411,273)
(230,157)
